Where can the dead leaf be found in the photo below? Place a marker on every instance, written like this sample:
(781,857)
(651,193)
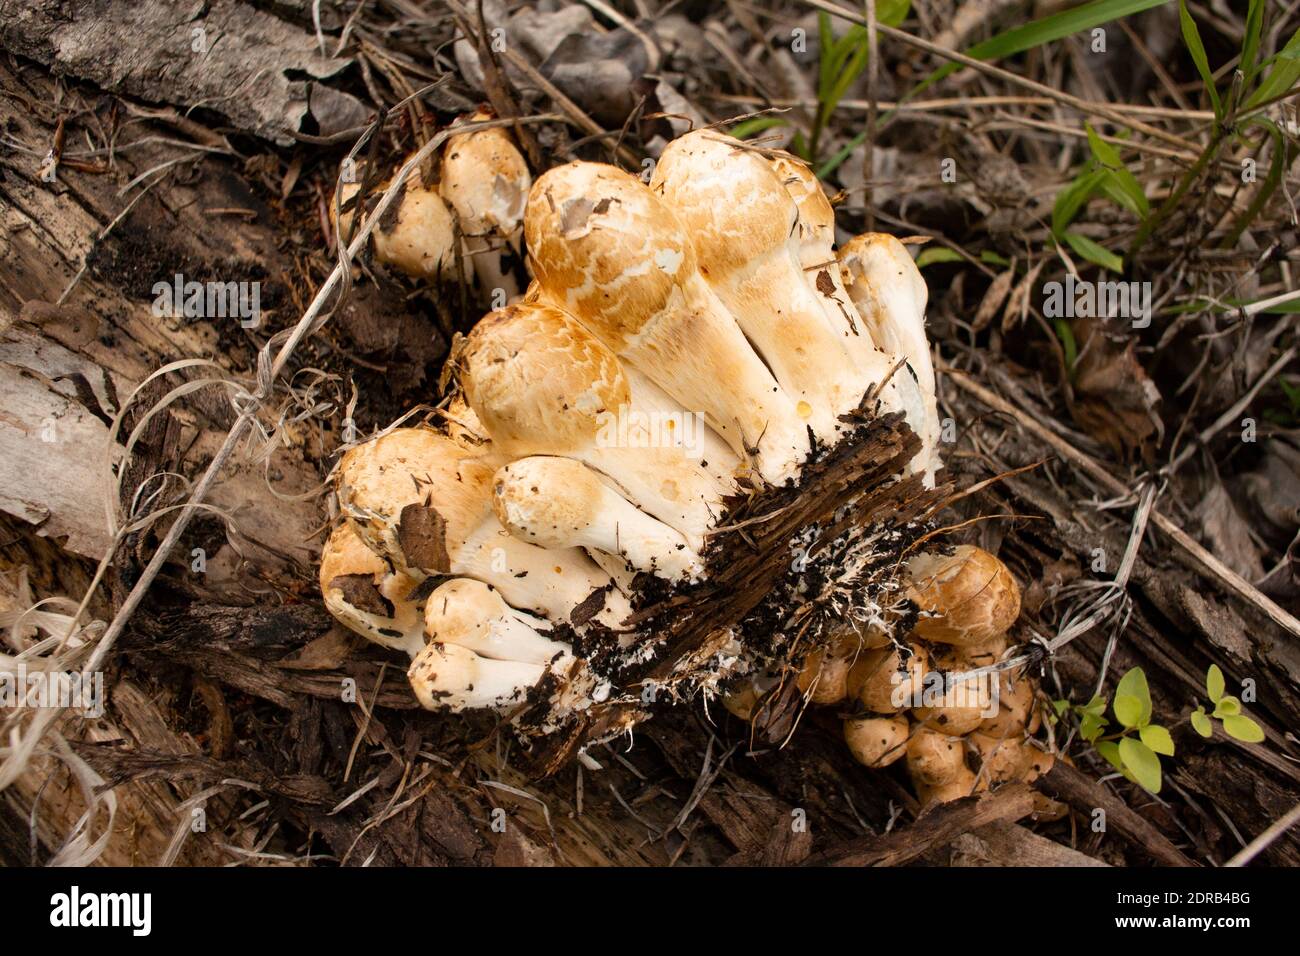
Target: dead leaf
(1114,399)
(1228,534)
(993,299)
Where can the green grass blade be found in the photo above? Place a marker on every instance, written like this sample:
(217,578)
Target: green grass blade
(1097,255)
(1073,198)
(1192,37)
(1283,76)
(747,128)
(1266,189)
(1047,30)
(1121,185)
(1250,42)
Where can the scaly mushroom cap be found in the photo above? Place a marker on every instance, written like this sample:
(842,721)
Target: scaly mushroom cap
(451,677)
(415,495)
(876,741)
(538,381)
(934,758)
(419,237)
(885,682)
(616,257)
(473,615)
(816,215)
(485,179)
(966,598)
(729,199)
(606,248)
(363,592)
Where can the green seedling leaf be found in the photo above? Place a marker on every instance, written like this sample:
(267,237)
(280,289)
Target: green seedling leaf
(1214,683)
(1158,739)
(991,258)
(1110,750)
(1142,762)
(936,255)
(1122,194)
(1192,37)
(1128,709)
(1095,706)
(1134,683)
(1244,729)
(1201,723)
(1121,185)
(1090,727)
(1227,706)
(893,12)
(1096,254)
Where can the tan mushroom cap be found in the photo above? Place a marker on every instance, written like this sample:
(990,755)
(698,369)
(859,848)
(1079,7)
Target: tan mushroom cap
(538,381)
(606,248)
(365,594)
(486,180)
(935,758)
(419,237)
(731,202)
(886,682)
(412,468)
(876,741)
(966,598)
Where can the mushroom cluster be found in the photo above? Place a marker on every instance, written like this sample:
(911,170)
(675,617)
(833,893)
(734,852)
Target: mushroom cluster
(685,348)
(933,699)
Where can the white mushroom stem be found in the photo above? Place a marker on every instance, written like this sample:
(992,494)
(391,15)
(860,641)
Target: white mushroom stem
(741,221)
(451,677)
(472,615)
(486,181)
(558,503)
(617,257)
(822,275)
(890,295)
(696,440)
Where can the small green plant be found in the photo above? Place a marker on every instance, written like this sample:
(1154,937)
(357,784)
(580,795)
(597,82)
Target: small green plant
(1135,749)
(842,60)
(1227,710)
(1105,175)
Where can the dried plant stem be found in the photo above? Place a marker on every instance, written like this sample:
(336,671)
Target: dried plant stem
(1216,568)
